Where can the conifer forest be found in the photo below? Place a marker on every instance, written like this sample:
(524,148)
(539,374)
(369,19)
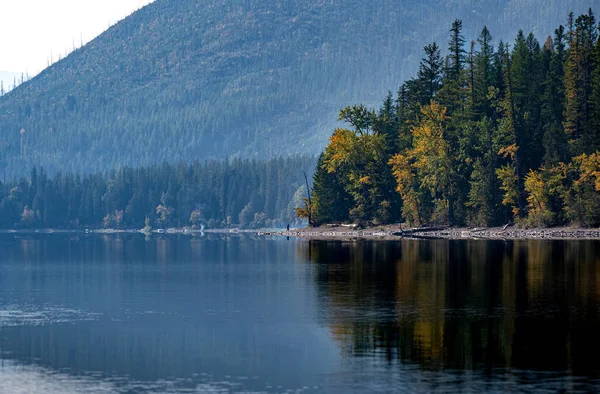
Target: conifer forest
(487,133)
(213,194)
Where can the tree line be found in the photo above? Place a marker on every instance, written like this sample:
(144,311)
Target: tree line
(212,194)
(490,133)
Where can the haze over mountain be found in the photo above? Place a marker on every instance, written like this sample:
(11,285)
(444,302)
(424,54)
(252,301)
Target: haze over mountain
(184,80)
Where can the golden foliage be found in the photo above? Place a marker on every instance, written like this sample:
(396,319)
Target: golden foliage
(509,151)
(359,158)
(342,149)
(534,186)
(589,167)
(538,198)
(430,150)
(509,179)
(405,179)
(303,212)
(428,161)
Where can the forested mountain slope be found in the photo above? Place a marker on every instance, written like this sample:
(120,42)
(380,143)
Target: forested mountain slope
(184,79)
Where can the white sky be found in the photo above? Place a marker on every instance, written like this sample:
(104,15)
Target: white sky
(32,30)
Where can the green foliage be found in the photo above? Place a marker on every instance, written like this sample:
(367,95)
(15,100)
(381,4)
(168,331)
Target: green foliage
(331,200)
(492,144)
(483,73)
(555,140)
(595,98)
(480,201)
(456,50)
(360,117)
(579,73)
(429,76)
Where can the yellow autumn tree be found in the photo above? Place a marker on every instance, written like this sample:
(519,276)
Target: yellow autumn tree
(343,151)
(582,196)
(429,163)
(509,179)
(538,199)
(408,189)
(589,167)
(431,151)
(359,156)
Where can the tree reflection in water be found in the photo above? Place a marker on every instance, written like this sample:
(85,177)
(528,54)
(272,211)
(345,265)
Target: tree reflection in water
(463,305)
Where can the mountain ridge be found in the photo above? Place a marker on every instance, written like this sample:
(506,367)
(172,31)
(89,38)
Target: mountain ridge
(185,80)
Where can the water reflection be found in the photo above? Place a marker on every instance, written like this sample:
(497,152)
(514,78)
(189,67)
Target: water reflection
(28,379)
(169,313)
(173,312)
(463,305)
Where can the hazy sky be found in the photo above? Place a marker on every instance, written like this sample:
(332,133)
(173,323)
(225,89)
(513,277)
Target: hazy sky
(32,30)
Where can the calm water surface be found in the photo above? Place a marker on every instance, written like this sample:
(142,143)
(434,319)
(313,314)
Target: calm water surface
(129,314)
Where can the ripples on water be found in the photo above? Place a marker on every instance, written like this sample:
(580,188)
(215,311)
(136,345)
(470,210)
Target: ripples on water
(38,315)
(173,314)
(32,379)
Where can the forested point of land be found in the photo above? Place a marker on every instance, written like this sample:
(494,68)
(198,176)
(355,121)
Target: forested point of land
(213,194)
(489,134)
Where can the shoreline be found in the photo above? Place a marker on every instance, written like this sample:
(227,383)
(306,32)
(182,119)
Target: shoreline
(349,233)
(172,231)
(397,232)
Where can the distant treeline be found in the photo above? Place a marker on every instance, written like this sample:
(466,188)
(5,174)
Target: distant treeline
(488,134)
(230,193)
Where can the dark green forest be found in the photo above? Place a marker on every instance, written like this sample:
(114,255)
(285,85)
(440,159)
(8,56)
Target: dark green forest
(184,80)
(486,133)
(213,194)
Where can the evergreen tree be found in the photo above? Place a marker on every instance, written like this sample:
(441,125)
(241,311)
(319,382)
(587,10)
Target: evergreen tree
(451,95)
(483,74)
(595,98)
(430,73)
(331,201)
(578,85)
(555,143)
(508,139)
(456,50)
(404,114)
(167,195)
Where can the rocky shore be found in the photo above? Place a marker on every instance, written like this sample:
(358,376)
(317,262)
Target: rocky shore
(394,232)
(349,233)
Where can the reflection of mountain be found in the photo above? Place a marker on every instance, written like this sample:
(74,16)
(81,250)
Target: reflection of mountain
(164,307)
(464,304)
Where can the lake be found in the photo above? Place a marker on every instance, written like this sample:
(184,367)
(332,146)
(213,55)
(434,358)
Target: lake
(89,313)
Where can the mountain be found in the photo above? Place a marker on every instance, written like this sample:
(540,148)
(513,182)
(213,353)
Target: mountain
(184,79)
